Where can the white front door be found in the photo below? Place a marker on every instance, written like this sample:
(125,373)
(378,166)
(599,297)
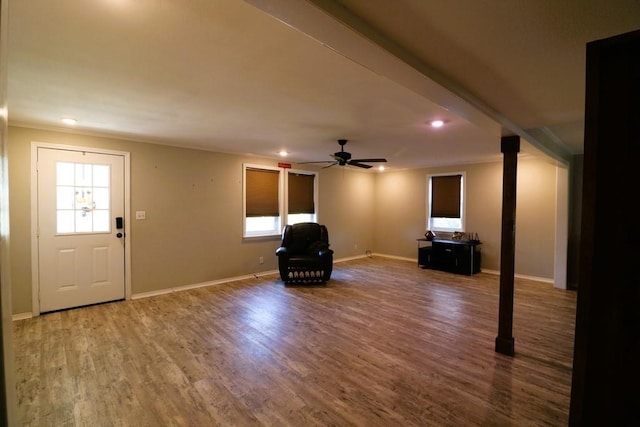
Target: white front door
(81,243)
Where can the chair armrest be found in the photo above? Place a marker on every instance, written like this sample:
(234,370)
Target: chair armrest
(282,251)
(325,252)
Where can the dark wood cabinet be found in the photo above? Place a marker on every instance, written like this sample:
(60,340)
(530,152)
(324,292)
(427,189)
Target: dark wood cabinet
(454,256)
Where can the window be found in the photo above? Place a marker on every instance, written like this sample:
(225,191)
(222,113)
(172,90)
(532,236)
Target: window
(301,194)
(262,201)
(273,198)
(445,211)
(82,198)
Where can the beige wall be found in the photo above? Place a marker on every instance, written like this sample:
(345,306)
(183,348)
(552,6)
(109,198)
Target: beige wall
(193,204)
(346,208)
(535,218)
(401,213)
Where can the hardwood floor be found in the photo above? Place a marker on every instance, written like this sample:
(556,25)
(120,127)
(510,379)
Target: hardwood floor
(384,343)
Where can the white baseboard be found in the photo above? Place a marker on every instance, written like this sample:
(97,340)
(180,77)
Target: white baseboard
(221,281)
(351,258)
(400,258)
(520,276)
(497,273)
(201,285)
(22,316)
(535,278)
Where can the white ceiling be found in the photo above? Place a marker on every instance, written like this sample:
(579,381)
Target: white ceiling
(258,76)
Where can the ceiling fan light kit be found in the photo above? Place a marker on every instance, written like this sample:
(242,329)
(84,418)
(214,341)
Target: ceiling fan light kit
(343,158)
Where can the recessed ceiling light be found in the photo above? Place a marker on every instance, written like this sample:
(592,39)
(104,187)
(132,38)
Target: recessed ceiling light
(437,123)
(381,168)
(283,153)
(69,121)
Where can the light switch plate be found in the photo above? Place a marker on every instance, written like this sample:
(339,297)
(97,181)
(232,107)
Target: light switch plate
(141,215)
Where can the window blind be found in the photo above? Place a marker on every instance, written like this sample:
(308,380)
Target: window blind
(301,193)
(262,192)
(445,196)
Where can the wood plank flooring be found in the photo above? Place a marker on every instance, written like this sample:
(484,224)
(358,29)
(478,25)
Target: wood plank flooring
(384,343)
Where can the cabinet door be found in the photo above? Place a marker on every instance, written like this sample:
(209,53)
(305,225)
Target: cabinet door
(424,257)
(463,259)
(444,257)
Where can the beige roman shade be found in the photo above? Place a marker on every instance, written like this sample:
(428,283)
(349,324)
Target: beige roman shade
(445,196)
(301,193)
(262,192)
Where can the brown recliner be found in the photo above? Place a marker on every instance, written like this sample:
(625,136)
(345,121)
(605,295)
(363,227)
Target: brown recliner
(304,255)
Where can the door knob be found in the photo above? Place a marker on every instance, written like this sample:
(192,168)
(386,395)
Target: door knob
(119,235)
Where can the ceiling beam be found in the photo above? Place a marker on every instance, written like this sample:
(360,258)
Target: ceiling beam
(337,28)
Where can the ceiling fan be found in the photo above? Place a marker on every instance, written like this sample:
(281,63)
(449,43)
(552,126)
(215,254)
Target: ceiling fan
(343,158)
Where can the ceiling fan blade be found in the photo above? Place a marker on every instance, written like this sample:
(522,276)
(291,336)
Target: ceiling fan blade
(369,160)
(360,165)
(308,163)
(328,166)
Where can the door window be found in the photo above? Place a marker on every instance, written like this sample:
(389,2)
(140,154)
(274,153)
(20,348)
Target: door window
(82,198)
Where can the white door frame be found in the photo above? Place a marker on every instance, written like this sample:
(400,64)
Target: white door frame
(35,273)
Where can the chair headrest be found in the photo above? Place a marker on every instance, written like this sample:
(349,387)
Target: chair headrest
(309,230)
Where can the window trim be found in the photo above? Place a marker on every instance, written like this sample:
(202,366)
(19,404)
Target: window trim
(267,233)
(316,178)
(283,197)
(463,202)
